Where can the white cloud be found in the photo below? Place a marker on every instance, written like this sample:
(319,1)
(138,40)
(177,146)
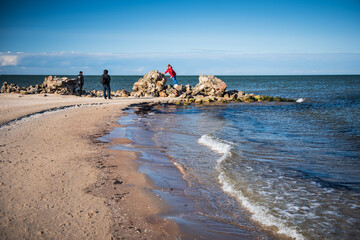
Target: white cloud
(8,60)
(139,70)
(187,62)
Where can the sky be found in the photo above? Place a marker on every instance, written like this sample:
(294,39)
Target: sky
(132,37)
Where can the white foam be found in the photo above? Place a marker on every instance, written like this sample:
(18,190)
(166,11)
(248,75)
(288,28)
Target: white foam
(215,144)
(300,100)
(259,213)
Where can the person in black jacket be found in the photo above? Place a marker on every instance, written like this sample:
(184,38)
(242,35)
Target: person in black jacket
(80,79)
(105,81)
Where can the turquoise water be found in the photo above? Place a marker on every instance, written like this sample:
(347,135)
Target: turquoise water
(290,167)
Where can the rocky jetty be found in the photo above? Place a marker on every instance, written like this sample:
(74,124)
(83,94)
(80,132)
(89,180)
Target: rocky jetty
(153,84)
(209,89)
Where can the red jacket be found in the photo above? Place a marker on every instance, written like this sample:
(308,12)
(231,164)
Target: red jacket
(171,72)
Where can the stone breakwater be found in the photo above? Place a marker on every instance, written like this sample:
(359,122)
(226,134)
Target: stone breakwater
(153,84)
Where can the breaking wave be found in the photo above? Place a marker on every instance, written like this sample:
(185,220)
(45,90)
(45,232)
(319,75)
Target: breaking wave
(259,213)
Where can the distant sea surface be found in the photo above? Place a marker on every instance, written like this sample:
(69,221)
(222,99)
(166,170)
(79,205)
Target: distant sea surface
(293,168)
(291,86)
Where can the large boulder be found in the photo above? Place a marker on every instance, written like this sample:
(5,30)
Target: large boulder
(60,85)
(150,85)
(209,86)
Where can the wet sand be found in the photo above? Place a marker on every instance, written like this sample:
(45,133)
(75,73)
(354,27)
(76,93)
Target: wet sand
(57,181)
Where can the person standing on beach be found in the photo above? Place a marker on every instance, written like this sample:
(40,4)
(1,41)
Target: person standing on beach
(105,81)
(172,73)
(80,79)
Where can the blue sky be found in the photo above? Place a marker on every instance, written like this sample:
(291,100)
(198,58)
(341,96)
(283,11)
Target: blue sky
(207,37)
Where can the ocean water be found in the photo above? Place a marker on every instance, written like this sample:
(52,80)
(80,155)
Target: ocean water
(267,170)
(252,171)
(292,86)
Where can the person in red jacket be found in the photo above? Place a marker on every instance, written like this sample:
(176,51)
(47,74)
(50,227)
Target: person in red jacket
(172,73)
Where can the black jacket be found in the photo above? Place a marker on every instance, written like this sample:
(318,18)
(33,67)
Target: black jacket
(80,79)
(105,79)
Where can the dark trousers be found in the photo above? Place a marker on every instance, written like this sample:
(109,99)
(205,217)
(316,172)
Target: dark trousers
(107,89)
(80,90)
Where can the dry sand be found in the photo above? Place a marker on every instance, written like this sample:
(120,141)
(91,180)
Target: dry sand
(58,182)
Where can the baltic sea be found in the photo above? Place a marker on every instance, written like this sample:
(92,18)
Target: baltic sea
(290,167)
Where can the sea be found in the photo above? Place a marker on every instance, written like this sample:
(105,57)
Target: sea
(262,170)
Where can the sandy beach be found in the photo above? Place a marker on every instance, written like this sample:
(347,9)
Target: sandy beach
(57,181)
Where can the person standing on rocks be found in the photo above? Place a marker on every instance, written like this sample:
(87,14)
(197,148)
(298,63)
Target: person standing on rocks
(172,73)
(105,81)
(80,80)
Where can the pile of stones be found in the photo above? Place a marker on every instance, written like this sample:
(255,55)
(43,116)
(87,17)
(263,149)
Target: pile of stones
(209,89)
(60,85)
(153,84)
(63,86)
(150,85)
(209,86)
(14,88)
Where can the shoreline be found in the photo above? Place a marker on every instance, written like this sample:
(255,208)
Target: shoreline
(171,183)
(53,187)
(135,208)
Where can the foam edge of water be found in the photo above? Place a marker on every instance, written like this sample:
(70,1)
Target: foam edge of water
(259,213)
(300,100)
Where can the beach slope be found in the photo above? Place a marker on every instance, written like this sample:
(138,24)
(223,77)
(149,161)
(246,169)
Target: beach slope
(54,181)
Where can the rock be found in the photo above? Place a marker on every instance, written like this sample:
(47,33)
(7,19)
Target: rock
(12,88)
(208,99)
(99,93)
(163,94)
(171,95)
(183,96)
(240,94)
(209,86)
(60,85)
(231,95)
(150,85)
(198,100)
(180,88)
(176,92)
(249,98)
(122,93)
(118,182)
(266,98)
(188,89)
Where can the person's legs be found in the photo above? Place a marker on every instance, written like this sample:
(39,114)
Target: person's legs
(174,78)
(109,91)
(80,91)
(104,91)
